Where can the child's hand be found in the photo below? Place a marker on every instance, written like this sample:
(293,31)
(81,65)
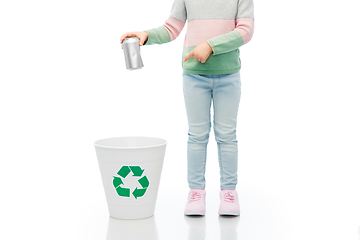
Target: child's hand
(142,36)
(201,53)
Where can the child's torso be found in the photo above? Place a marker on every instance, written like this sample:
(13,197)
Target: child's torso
(211,9)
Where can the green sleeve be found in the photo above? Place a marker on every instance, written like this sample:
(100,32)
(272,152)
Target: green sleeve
(157,36)
(226,42)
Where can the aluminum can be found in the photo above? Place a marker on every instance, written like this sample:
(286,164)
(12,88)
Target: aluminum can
(132,53)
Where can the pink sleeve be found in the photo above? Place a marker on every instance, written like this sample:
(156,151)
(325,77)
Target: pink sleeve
(173,27)
(245,27)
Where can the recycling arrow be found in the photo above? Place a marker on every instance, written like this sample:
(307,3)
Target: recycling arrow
(139,192)
(124,171)
(124,192)
(144,182)
(137,170)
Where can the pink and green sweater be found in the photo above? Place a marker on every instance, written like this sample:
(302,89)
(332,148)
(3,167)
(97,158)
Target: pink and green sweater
(224,24)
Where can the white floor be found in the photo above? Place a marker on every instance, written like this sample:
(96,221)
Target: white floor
(67,201)
(258,220)
(262,217)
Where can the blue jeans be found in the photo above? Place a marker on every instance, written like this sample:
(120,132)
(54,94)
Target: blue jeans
(199,92)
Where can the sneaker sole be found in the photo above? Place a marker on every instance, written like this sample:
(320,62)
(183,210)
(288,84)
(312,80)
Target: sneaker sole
(228,213)
(194,213)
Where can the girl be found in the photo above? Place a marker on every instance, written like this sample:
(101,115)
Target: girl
(216,29)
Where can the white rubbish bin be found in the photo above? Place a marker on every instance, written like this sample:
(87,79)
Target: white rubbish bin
(130,169)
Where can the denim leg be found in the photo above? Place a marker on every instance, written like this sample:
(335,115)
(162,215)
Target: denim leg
(198,97)
(227,91)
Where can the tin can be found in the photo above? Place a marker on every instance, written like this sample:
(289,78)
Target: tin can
(132,53)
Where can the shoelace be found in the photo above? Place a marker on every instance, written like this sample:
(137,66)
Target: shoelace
(194,196)
(229,197)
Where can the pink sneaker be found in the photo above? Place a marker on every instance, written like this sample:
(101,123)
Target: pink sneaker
(229,202)
(196,202)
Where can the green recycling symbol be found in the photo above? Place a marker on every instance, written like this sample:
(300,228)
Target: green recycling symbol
(123,173)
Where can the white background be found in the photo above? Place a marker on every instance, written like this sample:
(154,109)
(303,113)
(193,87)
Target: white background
(64,85)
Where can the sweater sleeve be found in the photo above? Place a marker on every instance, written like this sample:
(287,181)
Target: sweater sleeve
(172,27)
(244,28)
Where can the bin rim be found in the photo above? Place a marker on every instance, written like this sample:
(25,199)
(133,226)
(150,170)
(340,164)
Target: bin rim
(96,144)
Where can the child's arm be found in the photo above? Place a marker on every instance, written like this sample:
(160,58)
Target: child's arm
(165,33)
(231,41)
(242,33)
(172,27)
